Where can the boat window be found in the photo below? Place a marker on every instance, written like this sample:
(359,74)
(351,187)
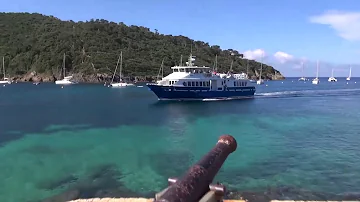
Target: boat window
(176,70)
(197,83)
(192,83)
(208,83)
(184,83)
(201,83)
(245,83)
(182,70)
(234,83)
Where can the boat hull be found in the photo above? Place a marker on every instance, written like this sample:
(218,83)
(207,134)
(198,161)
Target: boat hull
(63,82)
(117,85)
(5,82)
(200,93)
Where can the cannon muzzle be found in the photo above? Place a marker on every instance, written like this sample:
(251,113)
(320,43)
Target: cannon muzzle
(196,185)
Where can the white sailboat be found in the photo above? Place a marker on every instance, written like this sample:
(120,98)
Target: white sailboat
(332,78)
(120,83)
(5,80)
(66,79)
(349,78)
(260,81)
(316,80)
(302,70)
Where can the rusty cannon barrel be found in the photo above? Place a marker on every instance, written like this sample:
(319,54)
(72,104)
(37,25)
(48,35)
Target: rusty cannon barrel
(196,183)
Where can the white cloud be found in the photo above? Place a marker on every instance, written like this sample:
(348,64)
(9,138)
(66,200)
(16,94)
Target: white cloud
(283,57)
(346,24)
(254,54)
(290,65)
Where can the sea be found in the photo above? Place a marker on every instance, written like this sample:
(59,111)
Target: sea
(295,141)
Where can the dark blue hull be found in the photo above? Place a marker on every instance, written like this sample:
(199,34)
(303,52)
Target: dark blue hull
(200,93)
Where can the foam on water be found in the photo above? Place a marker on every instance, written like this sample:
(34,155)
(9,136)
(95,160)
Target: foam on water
(310,93)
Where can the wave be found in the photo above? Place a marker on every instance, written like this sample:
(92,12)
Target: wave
(309,93)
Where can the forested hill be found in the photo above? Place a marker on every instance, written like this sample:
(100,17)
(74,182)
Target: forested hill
(35,43)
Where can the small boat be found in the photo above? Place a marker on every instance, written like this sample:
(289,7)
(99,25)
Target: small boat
(36,83)
(349,78)
(200,83)
(302,70)
(120,83)
(316,80)
(67,79)
(5,80)
(260,82)
(332,78)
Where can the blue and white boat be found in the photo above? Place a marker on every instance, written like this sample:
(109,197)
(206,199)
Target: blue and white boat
(200,83)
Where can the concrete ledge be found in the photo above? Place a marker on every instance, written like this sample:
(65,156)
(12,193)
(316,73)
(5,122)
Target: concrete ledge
(150,200)
(128,200)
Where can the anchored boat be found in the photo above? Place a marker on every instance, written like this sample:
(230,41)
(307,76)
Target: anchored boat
(200,83)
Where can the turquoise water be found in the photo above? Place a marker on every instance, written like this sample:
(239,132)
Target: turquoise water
(105,141)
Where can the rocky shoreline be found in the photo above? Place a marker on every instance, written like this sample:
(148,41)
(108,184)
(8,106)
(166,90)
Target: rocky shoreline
(103,182)
(77,77)
(96,78)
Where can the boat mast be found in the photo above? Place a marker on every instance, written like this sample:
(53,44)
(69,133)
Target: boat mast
(117,64)
(232,62)
(350,72)
(161,70)
(64,65)
(121,59)
(332,72)
(3,65)
(216,63)
(317,69)
(181,61)
(302,69)
(247,69)
(261,64)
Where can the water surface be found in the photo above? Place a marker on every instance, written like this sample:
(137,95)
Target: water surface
(293,134)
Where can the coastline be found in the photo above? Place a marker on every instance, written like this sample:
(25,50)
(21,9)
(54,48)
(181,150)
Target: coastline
(95,78)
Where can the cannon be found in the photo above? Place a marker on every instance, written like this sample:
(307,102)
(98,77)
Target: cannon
(195,185)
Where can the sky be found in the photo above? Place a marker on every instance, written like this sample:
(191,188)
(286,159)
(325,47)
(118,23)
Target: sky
(287,33)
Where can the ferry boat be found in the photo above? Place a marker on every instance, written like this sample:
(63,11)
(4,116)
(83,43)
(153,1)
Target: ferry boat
(200,83)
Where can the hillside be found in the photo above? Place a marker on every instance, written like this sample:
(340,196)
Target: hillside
(34,44)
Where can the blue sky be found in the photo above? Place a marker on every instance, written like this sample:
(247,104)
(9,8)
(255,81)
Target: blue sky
(321,29)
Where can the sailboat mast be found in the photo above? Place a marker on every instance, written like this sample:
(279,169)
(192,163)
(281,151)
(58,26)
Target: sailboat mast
(162,68)
(117,64)
(247,69)
(317,69)
(120,64)
(181,60)
(3,65)
(302,69)
(64,64)
(332,72)
(350,72)
(261,64)
(216,63)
